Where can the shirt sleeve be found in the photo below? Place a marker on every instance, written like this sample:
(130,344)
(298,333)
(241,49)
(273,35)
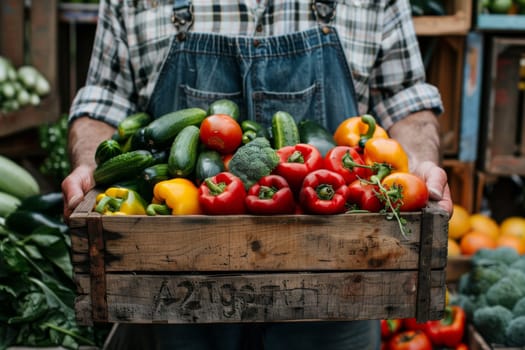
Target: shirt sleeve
(109,94)
(398,87)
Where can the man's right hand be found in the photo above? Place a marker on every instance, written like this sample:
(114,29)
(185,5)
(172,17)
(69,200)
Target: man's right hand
(79,182)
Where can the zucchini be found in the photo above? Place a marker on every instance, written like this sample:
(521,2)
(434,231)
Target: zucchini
(162,131)
(284,130)
(183,152)
(16,180)
(224,106)
(51,203)
(8,204)
(209,163)
(106,150)
(125,166)
(315,134)
(26,221)
(129,125)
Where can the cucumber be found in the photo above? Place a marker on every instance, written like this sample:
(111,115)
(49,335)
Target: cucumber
(129,125)
(16,180)
(156,173)
(183,152)
(125,166)
(106,150)
(224,106)
(162,131)
(8,204)
(284,130)
(209,163)
(315,134)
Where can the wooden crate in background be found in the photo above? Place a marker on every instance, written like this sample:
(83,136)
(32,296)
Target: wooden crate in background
(466,184)
(247,268)
(457,20)
(503,135)
(29,36)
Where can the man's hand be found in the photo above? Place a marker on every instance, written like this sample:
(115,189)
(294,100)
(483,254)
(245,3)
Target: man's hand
(75,186)
(437,184)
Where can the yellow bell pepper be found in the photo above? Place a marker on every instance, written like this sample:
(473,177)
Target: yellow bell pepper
(120,201)
(180,194)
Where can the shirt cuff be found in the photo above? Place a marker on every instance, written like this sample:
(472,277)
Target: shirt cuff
(101,104)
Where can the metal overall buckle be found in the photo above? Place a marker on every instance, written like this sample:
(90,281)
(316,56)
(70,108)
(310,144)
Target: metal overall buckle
(324,11)
(182,18)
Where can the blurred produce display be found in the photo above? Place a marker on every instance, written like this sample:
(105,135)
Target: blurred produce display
(53,141)
(20,86)
(508,7)
(37,290)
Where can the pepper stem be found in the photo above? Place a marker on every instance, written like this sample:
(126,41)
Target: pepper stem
(296,157)
(325,192)
(371,122)
(266,192)
(215,188)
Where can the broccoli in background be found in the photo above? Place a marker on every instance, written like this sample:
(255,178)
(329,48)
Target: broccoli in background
(519,308)
(504,255)
(504,292)
(515,334)
(483,275)
(492,322)
(519,264)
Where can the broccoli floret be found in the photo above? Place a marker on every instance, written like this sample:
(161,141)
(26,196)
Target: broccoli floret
(504,293)
(519,264)
(469,303)
(518,277)
(519,308)
(492,322)
(515,333)
(484,273)
(503,255)
(254,160)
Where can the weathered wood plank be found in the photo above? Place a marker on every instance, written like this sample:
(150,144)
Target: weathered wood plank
(264,297)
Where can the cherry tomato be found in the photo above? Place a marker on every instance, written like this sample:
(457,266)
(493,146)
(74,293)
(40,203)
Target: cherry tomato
(221,132)
(410,340)
(414,190)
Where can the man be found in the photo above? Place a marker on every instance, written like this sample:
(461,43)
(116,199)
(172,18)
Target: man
(323,60)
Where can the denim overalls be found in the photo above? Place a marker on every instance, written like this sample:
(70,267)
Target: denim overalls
(303,73)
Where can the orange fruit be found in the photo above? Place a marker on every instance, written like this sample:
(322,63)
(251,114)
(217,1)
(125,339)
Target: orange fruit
(459,222)
(513,225)
(473,241)
(453,247)
(512,241)
(484,224)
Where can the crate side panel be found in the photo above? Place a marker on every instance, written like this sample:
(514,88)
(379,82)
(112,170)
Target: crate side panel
(267,297)
(211,243)
(12,40)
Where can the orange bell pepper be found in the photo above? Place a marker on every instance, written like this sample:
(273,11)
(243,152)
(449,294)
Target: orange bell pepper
(353,129)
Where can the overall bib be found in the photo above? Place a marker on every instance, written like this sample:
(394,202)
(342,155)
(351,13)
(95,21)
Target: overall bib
(303,73)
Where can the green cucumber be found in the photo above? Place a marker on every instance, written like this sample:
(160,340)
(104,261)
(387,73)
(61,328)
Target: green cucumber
(156,173)
(315,134)
(183,152)
(125,166)
(162,131)
(16,180)
(209,163)
(224,106)
(284,130)
(129,125)
(106,150)
(8,204)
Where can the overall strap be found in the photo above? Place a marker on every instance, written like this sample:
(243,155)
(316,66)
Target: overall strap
(324,10)
(182,17)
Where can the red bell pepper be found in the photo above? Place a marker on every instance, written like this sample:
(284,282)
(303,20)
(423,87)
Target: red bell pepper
(364,196)
(271,195)
(296,162)
(389,327)
(222,194)
(449,330)
(343,159)
(324,192)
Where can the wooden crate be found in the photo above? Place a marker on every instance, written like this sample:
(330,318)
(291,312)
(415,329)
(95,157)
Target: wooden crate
(202,269)
(456,22)
(503,136)
(476,341)
(36,25)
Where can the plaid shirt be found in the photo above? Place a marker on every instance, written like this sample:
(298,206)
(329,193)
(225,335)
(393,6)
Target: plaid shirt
(133,37)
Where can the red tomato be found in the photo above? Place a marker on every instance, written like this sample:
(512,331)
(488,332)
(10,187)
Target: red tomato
(410,340)
(389,327)
(414,190)
(221,132)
